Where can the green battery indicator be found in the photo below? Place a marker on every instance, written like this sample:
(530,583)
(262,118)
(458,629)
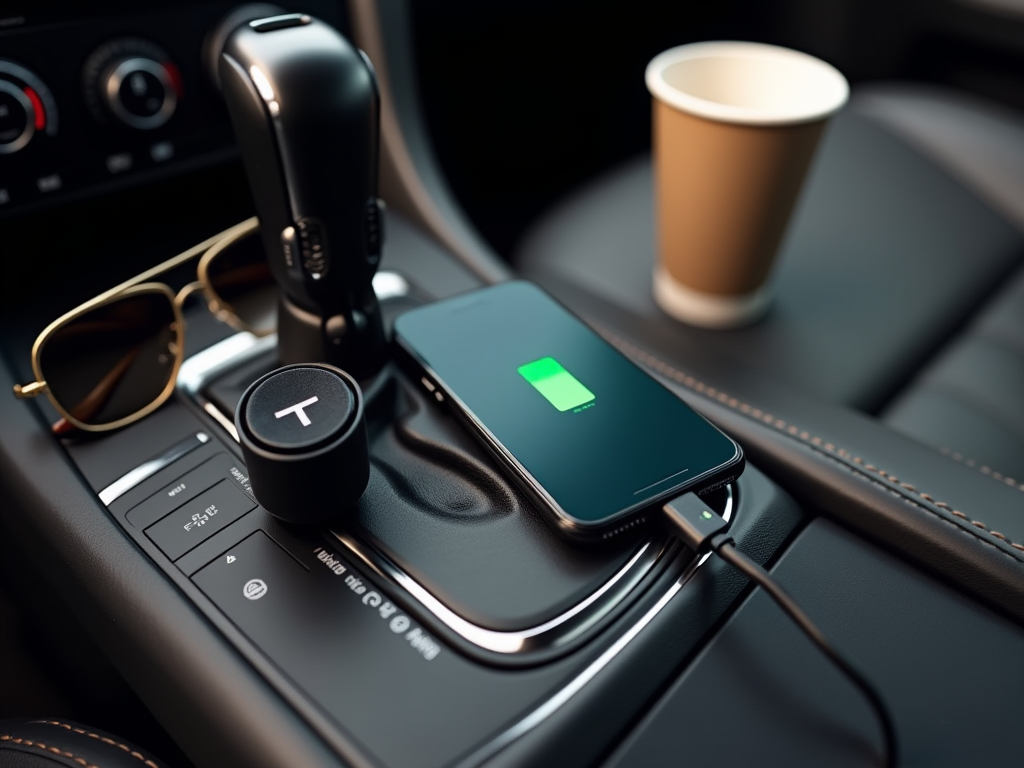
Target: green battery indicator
(559,387)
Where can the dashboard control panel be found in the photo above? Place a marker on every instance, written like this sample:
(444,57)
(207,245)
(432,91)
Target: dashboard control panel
(102,97)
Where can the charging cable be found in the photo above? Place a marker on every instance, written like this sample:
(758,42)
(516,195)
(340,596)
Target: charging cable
(703,530)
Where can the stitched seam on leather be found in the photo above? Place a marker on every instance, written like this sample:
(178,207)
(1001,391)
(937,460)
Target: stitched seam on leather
(53,750)
(105,739)
(917,505)
(984,469)
(816,443)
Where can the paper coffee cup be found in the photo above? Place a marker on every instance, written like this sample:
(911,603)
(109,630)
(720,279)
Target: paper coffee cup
(735,128)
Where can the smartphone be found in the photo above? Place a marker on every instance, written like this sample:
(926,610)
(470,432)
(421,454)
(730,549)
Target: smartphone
(593,438)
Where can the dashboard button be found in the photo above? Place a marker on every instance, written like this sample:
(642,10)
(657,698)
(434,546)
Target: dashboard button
(140,93)
(254,577)
(192,523)
(184,488)
(134,80)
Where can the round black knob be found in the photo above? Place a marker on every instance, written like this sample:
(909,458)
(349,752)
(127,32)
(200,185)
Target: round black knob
(133,80)
(303,435)
(140,93)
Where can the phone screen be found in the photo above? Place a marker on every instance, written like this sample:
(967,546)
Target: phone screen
(595,432)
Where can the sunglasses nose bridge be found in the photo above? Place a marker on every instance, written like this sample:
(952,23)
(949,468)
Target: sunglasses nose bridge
(193,287)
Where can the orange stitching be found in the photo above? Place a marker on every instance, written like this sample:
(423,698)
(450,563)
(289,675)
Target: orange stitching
(984,470)
(106,740)
(699,386)
(39,745)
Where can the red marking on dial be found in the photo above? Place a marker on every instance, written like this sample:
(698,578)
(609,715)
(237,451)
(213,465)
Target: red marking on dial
(37,107)
(175,76)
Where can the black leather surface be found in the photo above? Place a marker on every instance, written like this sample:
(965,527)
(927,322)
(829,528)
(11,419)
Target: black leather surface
(977,141)
(44,743)
(953,519)
(970,400)
(947,669)
(885,257)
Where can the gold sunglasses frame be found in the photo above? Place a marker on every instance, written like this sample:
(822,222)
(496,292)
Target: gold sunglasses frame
(210,249)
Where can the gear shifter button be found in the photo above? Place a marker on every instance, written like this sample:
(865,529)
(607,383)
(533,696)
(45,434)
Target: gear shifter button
(291,248)
(299,409)
(303,435)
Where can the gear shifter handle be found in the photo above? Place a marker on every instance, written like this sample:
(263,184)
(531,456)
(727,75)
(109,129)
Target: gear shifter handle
(305,108)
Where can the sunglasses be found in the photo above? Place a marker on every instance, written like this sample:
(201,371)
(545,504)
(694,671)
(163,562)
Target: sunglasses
(115,359)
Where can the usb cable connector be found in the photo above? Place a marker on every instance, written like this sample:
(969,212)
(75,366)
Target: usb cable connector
(702,530)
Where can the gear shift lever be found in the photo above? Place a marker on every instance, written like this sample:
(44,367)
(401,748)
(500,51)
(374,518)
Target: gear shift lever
(305,109)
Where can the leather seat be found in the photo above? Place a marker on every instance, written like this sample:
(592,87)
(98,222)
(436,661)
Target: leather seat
(968,401)
(44,743)
(900,286)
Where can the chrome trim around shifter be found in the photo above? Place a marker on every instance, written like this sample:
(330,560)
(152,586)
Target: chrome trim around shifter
(199,369)
(542,712)
(550,634)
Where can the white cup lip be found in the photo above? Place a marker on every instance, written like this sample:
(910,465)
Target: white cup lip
(836,95)
(708,310)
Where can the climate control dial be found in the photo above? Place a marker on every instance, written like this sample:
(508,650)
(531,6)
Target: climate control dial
(26,108)
(134,81)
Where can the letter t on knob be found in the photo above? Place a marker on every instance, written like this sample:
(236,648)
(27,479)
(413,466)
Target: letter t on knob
(303,435)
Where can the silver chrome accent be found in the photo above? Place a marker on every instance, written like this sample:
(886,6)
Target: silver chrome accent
(201,368)
(112,88)
(128,481)
(515,641)
(574,686)
(214,412)
(552,633)
(198,370)
(390,285)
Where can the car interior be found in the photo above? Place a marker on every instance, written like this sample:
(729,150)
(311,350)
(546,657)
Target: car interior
(182,585)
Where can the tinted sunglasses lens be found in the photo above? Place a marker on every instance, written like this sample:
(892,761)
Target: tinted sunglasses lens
(240,279)
(114,360)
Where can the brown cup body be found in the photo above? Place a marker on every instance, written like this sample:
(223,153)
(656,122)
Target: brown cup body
(724,194)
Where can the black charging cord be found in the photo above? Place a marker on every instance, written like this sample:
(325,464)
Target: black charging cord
(703,530)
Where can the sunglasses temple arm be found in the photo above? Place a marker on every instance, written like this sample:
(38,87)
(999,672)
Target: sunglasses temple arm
(100,394)
(25,391)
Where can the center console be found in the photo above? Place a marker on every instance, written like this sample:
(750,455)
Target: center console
(446,609)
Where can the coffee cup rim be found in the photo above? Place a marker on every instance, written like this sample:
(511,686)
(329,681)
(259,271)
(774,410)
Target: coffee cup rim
(833,89)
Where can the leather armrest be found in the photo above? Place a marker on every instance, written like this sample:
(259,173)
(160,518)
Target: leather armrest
(953,520)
